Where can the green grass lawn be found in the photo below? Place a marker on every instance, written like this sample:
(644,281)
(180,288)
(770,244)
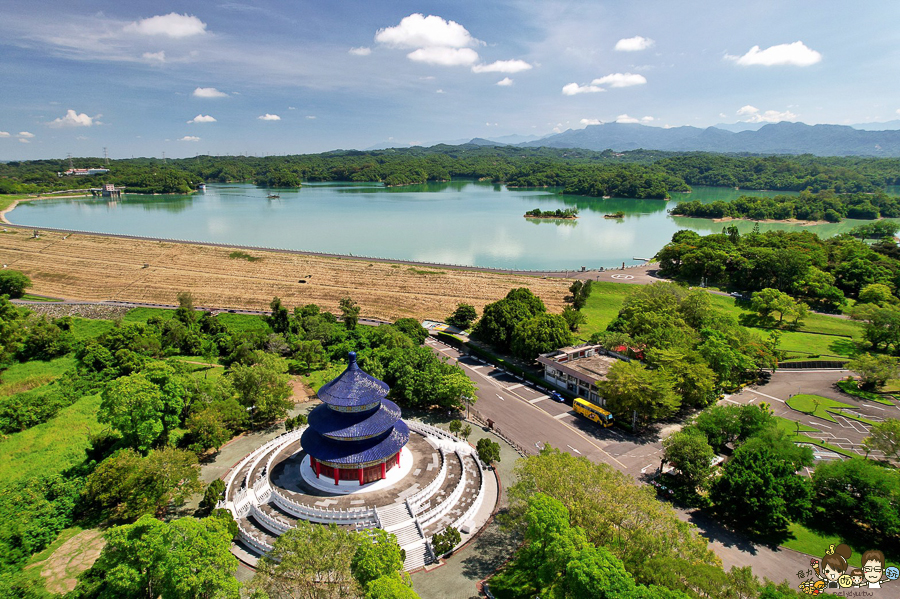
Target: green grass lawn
(317,378)
(815,544)
(790,429)
(822,407)
(200,371)
(53,446)
(243,322)
(799,345)
(145,314)
(38,298)
(852,388)
(88,328)
(602,306)
(22,377)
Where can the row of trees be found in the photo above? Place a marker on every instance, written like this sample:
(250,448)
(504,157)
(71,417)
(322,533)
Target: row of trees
(637,174)
(519,323)
(824,205)
(820,272)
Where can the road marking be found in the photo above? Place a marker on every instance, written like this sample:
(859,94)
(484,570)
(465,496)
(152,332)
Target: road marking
(752,399)
(541,398)
(573,449)
(819,424)
(769,396)
(563,415)
(876,408)
(500,396)
(644,469)
(516,386)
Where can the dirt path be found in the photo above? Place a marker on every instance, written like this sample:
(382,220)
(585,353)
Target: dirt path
(73,557)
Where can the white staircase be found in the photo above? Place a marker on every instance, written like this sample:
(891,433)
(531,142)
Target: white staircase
(399,521)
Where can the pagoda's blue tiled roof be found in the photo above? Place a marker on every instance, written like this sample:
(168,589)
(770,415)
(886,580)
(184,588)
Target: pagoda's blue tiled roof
(355,452)
(353,388)
(354,425)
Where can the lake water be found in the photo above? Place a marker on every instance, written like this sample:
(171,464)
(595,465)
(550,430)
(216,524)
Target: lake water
(460,222)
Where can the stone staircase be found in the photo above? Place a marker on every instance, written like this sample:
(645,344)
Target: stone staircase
(397,520)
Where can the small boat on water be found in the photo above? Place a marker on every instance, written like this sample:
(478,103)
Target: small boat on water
(273,196)
(202,187)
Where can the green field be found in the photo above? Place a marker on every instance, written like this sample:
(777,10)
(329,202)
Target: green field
(822,407)
(243,322)
(145,314)
(53,446)
(88,328)
(819,335)
(812,543)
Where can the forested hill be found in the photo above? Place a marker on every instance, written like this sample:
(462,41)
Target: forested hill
(775,138)
(635,174)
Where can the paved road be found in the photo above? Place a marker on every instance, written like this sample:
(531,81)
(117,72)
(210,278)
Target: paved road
(530,418)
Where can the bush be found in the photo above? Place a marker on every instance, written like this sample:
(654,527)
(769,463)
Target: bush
(13,283)
(214,492)
(444,542)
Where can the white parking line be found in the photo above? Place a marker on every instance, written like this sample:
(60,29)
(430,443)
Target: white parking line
(563,415)
(516,386)
(769,396)
(541,398)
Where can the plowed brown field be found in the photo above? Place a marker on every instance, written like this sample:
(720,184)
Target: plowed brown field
(94,267)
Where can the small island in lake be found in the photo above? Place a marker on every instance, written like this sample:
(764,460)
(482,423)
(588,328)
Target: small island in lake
(571,213)
(618,214)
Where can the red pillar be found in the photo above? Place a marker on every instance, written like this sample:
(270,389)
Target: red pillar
(360,472)
(383,471)
(318,469)
(398,458)
(337,475)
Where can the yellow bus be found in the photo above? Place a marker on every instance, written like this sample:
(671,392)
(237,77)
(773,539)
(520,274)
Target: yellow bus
(592,412)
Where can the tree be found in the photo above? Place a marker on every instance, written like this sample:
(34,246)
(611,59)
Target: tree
(878,294)
(310,561)
(580,290)
(690,453)
(130,485)
(874,370)
(413,329)
(488,451)
(759,490)
(279,319)
(207,430)
(377,555)
(770,300)
(210,354)
(455,426)
(499,319)
(857,500)
(11,328)
(349,312)
(632,387)
(463,317)
(214,492)
(13,283)
(573,318)
(445,541)
(185,312)
(884,436)
(144,406)
(466,431)
(540,334)
(390,587)
(263,387)
(184,558)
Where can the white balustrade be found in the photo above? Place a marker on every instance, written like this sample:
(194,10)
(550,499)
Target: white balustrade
(444,506)
(415,500)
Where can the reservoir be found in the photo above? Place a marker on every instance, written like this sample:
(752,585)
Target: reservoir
(460,222)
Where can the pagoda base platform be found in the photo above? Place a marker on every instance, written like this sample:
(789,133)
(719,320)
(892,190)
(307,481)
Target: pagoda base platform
(352,487)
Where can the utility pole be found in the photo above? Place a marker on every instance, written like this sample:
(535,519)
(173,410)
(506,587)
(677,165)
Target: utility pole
(164,157)
(71,166)
(105,157)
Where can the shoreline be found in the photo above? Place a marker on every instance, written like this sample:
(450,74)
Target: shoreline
(16,202)
(765,221)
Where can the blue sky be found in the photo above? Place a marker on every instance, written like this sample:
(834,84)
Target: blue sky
(266,77)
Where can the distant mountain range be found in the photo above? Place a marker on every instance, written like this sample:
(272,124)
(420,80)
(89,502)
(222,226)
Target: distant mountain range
(775,138)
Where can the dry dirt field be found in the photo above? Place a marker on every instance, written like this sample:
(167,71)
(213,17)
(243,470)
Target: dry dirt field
(93,267)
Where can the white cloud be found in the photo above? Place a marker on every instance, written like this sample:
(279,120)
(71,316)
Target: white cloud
(208,92)
(419,31)
(202,118)
(311,117)
(189,138)
(624,118)
(269,117)
(72,119)
(633,44)
(448,57)
(898,111)
(647,119)
(505,82)
(291,108)
(591,122)
(362,51)
(573,88)
(25,134)
(22,140)
(796,54)
(155,56)
(620,80)
(502,66)
(170,25)
(4,133)
(440,91)
(754,115)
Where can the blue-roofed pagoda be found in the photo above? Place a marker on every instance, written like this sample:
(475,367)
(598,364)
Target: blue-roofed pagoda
(355,434)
